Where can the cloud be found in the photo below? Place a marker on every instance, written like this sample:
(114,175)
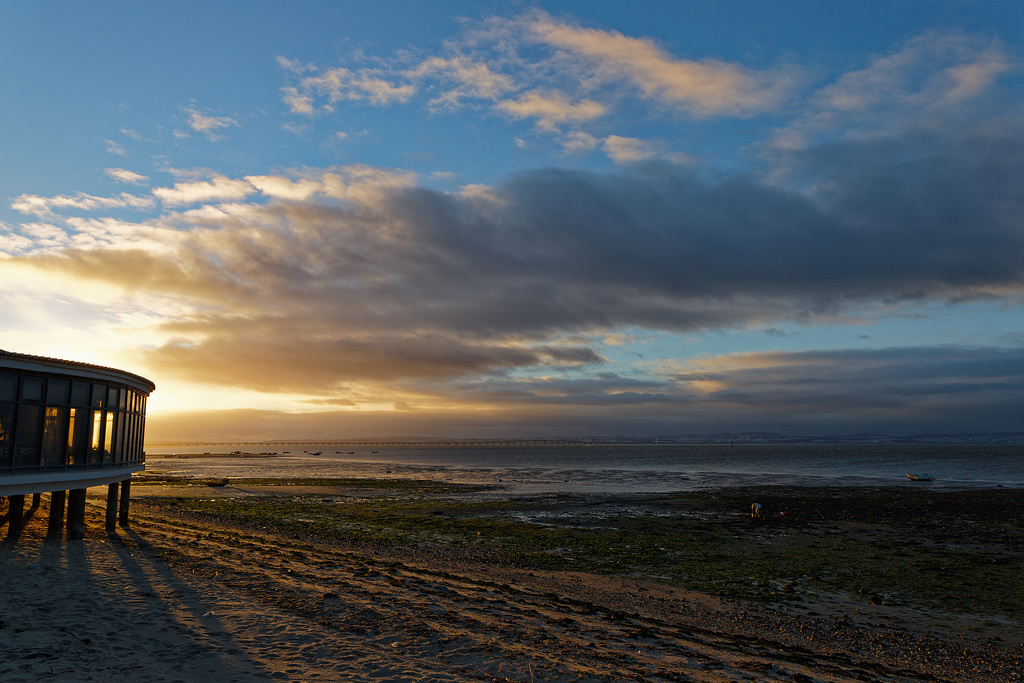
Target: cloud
(330,361)
(937,389)
(361,274)
(968,80)
(281,187)
(208,125)
(896,391)
(531,66)
(578,142)
(550,109)
(473,79)
(355,182)
(292,65)
(220,188)
(928,82)
(125,176)
(362,286)
(298,103)
(134,135)
(929,70)
(627,150)
(369,85)
(47,206)
(704,88)
(114,148)
(31,238)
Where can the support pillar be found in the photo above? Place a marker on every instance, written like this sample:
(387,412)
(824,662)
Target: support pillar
(126,492)
(111,522)
(55,524)
(36,498)
(76,514)
(15,516)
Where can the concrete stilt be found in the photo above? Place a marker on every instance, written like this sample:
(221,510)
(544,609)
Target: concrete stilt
(76,514)
(111,522)
(15,516)
(126,492)
(55,524)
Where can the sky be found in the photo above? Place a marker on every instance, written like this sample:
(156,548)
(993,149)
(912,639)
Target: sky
(513,219)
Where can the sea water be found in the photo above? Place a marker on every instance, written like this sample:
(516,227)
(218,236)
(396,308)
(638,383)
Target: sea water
(609,468)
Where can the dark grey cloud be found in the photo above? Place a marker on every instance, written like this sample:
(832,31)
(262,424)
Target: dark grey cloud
(658,246)
(901,390)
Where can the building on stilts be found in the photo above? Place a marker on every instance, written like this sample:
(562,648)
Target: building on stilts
(66,427)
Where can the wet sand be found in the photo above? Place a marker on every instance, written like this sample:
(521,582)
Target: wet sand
(185,595)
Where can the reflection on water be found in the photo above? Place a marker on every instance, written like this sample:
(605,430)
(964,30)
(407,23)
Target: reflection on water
(617,469)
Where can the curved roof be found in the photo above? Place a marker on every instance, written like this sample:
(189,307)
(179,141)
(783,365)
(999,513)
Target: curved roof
(22,361)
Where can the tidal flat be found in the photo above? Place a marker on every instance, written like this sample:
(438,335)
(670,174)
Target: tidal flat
(955,552)
(360,579)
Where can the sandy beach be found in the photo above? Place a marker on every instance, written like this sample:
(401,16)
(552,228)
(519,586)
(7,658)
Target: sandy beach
(188,594)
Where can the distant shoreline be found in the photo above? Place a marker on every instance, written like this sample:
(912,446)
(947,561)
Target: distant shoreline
(742,438)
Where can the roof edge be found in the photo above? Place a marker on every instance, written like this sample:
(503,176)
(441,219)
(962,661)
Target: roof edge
(71,364)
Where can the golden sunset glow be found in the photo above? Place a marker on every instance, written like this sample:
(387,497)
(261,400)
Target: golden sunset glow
(555,220)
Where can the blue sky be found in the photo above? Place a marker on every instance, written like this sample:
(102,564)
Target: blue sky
(462,218)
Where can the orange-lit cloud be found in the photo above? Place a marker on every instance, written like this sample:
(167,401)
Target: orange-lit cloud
(701,88)
(534,67)
(472,79)
(551,109)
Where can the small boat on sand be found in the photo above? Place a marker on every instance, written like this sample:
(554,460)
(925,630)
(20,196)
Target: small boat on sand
(920,477)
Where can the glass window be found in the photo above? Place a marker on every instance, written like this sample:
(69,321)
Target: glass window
(142,436)
(26,440)
(78,435)
(31,389)
(134,439)
(57,391)
(119,449)
(6,433)
(54,424)
(112,397)
(99,392)
(95,454)
(108,439)
(124,399)
(80,394)
(8,386)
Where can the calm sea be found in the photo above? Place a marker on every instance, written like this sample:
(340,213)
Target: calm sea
(614,468)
